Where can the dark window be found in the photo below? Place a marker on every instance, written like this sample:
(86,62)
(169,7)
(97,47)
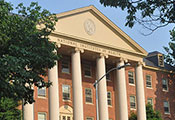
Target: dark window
(131,77)
(66,92)
(165,84)
(148,81)
(88,94)
(132,102)
(109,97)
(166,107)
(87,70)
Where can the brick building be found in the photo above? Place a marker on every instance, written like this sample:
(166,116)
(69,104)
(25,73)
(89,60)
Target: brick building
(90,44)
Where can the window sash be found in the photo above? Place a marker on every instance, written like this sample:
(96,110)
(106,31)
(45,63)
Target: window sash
(132,102)
(65,66)
(131,77)
(166,107)
(109,98)
(42,91)
(41,116)
(165,84)
(148,81)
(88,95)
(87,70)
(66,92)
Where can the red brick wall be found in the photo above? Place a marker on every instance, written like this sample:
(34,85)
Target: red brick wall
(41,104)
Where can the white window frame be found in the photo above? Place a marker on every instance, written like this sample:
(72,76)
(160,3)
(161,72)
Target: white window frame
(69,89)
(89,96)
(129,77)
(166,84)
(63,61)
(43,113)
(89,118)
(151,101)
(167,107)
(149,81)
(109,98)
(40,95)
(132,102)
(87,66)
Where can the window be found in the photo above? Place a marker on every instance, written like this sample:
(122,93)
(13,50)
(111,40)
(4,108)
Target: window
(42,92)
(165,84)
(65,66)
(131,77)
(89,118)
(88,94)
(148,81)
(87,70)
(166,107)
(109,98)
(41,116)
(66,92)
(132,102)
(150,101)
(160,60)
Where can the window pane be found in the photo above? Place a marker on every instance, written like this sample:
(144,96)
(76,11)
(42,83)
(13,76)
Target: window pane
(166,107)
(165,84)
(41,116)
(89,118)
(88,94)
(109,98)
(66,92)
(132,102)
(65,66)
(131,77)
(148,81)
(150,101)
(42,92)
(87,70)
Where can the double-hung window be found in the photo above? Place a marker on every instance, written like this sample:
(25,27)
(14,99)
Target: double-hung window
(109,98)
(66,92)
(65,65)
(131,77)
(88,95)
(41,116)
(166,107)
(132,102)
(42,92)
(148,81)
(150,101)
(87,70)
(165,84)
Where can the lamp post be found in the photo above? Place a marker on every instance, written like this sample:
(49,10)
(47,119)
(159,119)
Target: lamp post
(97,81)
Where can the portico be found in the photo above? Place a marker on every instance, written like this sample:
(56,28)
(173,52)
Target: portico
(86,33)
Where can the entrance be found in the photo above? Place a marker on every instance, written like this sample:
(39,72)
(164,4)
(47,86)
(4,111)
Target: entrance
(66,112)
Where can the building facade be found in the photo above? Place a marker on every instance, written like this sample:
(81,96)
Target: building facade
(89,45)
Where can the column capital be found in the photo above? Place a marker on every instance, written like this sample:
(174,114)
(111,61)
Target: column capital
(104,55)
(121,59)
(58,45)
(140,63)
(79,49)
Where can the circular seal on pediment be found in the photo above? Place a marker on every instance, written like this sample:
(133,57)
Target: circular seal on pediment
(89,27)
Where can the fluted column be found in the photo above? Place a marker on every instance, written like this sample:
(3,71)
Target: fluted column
(102,89)
(28,111)
(77,86)
(120,93)
(140,94)
(53,93)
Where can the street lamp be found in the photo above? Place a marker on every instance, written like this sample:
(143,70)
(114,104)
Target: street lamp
(97,81)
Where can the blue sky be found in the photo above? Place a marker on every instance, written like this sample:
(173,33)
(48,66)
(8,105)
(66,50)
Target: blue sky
(153,42)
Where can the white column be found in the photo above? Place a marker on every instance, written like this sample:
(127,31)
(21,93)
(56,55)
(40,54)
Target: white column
(121,95)
(53,93)
(140,94)
(77,86)
(28,111)
(102,89)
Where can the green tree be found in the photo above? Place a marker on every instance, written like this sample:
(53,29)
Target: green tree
(170,57)
(151,114)
(8,109)
(25,51)
(152,14)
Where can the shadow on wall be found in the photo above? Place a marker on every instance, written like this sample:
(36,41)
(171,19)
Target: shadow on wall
(161,95)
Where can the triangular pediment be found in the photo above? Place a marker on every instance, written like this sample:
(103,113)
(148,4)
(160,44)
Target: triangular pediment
(92,26)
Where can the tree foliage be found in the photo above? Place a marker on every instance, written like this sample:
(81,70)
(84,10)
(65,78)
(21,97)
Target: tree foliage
(151,114)
(152,14)
(8,109)
(170,57)
(25,51)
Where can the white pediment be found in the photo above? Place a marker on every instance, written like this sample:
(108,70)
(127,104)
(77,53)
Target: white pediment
(91,25)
